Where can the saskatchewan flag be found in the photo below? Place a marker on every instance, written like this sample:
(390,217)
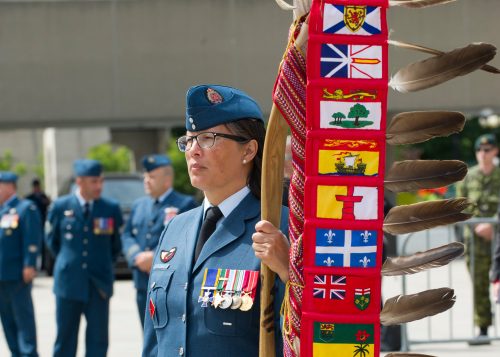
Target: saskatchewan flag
(343,340)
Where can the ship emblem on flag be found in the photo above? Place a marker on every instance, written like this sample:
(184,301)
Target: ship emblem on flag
(331,287)
(352,20)
(351,61)
(362,298)
(346,248)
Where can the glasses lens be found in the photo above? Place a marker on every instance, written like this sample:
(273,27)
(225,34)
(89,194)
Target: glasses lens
(206,140)
(182,143)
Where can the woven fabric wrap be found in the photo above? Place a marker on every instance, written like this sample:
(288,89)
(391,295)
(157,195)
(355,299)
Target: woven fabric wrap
(290,98)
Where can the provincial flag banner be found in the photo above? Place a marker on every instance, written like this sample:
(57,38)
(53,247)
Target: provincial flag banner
(343,340)
(347,202)
(348,157)
(346,248)
(352,20)
(103,226)
(351,61)
(342,294)
(349,115)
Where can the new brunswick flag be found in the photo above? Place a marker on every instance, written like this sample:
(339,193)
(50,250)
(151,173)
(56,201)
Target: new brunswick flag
(343,340)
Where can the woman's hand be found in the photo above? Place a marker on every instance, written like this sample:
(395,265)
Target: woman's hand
(271,246)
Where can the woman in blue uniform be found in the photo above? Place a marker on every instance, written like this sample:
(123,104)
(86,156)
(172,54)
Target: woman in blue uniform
(203,297)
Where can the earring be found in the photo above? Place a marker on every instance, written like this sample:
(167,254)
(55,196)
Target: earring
(244,161)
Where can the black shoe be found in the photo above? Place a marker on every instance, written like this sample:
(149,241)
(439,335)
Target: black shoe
(481,339)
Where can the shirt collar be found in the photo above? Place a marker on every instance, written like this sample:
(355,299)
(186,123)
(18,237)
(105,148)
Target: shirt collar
(229,204)
(164,196)
(81,200)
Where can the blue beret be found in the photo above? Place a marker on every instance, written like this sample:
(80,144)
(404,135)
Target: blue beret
(8,176)
(151,162)
(486,139)
(210,105)
(86,167)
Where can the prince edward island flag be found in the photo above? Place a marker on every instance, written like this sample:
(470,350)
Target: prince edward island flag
(345,248)
(343,340)
(352,20)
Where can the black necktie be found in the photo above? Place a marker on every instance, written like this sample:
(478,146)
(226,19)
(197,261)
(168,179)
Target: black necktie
(86,210)
(207,228)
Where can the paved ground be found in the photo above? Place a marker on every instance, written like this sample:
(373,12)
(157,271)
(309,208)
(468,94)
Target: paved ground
(125,332)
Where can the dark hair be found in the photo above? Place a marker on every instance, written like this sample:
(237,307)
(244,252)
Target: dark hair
(252,129)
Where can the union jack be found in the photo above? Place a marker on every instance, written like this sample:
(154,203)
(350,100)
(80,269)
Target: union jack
(333,286)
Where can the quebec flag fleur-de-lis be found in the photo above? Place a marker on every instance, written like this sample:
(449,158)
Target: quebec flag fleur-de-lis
(365,261)
(365,236)
(329,236)
(329,261)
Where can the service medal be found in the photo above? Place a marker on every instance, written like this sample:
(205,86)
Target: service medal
(226,302)
(246,303)
(236,302)
(217,300)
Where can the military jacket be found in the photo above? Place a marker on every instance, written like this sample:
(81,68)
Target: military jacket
(481,190)
(176,323)
(20,238)
(143,229)
(84,249)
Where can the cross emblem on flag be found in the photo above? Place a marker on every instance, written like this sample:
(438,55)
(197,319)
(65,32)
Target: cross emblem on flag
(331,287)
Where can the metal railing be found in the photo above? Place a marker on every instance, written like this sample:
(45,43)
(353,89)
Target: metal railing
(433,238)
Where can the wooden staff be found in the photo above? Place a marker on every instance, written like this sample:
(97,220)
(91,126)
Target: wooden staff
(272,192)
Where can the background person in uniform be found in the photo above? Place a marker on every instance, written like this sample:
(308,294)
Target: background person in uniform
(495,268)
(223,148)
(42,202)
(85,240)
(482,187)
(148,217)
(20,239)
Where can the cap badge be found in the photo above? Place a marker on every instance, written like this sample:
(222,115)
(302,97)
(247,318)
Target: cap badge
(213,96)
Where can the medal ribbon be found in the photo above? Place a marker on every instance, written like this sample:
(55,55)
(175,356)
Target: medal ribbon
(208,280)
(230,282)
(252,284)
(245,281)
(240,277)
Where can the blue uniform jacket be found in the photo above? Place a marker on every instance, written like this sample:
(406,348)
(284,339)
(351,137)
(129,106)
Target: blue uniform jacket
(143,229)
(20,238)
(84,250)
(179,324)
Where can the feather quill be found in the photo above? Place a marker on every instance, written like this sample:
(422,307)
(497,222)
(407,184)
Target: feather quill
(412,175)
(424,215)
(416,127)
(420,261)
(431,51)
(406,354)
(438,69)
(417,3)
(405,308)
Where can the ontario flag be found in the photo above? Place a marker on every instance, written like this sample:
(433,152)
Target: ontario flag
(343,339)
(351,61)
(341,294)
(352,20)
(346,248)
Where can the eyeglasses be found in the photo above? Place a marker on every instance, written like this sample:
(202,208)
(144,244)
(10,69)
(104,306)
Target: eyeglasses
(205,140)
(486,150)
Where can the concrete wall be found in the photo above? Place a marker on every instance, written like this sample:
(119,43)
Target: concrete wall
(128,62)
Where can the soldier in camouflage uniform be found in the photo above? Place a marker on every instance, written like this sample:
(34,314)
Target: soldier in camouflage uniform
(482,187)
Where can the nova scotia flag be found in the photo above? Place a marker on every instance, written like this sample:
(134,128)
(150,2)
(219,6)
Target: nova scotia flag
(352,20)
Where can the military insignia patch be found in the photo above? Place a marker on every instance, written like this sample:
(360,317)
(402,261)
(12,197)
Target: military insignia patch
(170,212)
(167,255)
(152,308)
(213,96)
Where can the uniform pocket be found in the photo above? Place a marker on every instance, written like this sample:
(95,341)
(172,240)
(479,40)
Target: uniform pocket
(159,282)
(227,322)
